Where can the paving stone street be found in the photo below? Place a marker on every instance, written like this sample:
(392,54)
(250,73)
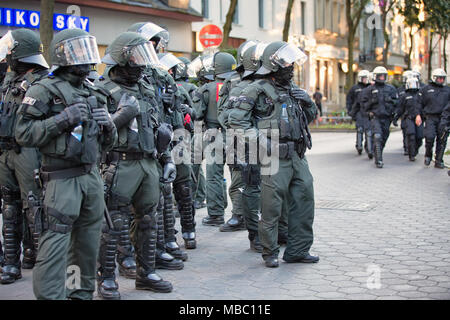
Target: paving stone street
(380,234)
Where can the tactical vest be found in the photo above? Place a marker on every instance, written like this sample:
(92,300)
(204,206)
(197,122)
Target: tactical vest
(139,134)
(211,113)
(13,91)
(228,100)
(411,104)
(275,101)
(68,146)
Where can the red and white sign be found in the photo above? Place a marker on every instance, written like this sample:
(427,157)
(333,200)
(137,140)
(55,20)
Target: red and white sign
(210,36)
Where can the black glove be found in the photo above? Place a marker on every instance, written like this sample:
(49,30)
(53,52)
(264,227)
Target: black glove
(101,116)
(185,109)
(127,109)
(394,122)
(72,115)
(169,173)
(168,97)
(163,137)
(301,95)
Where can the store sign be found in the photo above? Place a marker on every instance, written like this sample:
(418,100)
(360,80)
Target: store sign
(31,19)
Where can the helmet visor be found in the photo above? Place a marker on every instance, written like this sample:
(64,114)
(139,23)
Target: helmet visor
(181,70)
(412,83)
(194,67)
(7,43)
(143,55)
(259,50)
(169,61)
(289,54)
(76,51)
(150,30)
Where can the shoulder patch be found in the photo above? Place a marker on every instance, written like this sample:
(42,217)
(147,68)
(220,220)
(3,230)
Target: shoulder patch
(29,100)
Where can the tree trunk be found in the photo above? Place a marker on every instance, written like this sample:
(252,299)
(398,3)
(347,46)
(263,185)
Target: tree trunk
(445,52)
(350,74)
(430,54)
(46,28)
(387,41)
(227,26)
(287,20)
(411,37)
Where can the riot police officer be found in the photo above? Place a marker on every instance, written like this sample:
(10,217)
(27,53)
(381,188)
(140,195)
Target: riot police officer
(354,110)
(379,101)
(408,108)
(433,98)
(24,55)
(66,118)
(206,110)
(133,174)
(182,77)
(202,69)
(169,99)
(401,91)
(275,99)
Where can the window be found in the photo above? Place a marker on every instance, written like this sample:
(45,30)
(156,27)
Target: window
(261,13)
(205,9)
(236,14)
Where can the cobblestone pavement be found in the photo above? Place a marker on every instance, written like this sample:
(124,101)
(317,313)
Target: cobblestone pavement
(380,234)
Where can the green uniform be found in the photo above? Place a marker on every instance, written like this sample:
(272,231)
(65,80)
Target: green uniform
(260,107)
(16,175)
(198,188)
(182,185)
(73,202)
(205,105)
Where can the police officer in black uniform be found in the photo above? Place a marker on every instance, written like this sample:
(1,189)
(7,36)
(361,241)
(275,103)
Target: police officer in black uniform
(379,100)
(433,98)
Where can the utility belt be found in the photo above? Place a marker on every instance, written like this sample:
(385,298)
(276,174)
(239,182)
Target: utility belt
(286,149)
(7,143)
(49,173)
(128,156)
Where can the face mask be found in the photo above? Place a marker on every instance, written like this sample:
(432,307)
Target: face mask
(284,75)
(74,74)
(81,71)
(128,74)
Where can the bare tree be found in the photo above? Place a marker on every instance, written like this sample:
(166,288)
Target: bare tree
(227,26)
(287,20)
(353,13)
(46,29)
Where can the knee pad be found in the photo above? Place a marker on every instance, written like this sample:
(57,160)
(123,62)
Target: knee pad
(9,195)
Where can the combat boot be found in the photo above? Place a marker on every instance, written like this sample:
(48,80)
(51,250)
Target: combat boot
(235,223)
(12,234)
(255,243)
(369,144)
(271,261)
(107,285)
(163,259)
(199,205)
(439,157)
(171,245)
(359,140)
(378,151)
(214,221)
(428,151)
(29,258)
(146,277)
(183,195)
(125,253)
